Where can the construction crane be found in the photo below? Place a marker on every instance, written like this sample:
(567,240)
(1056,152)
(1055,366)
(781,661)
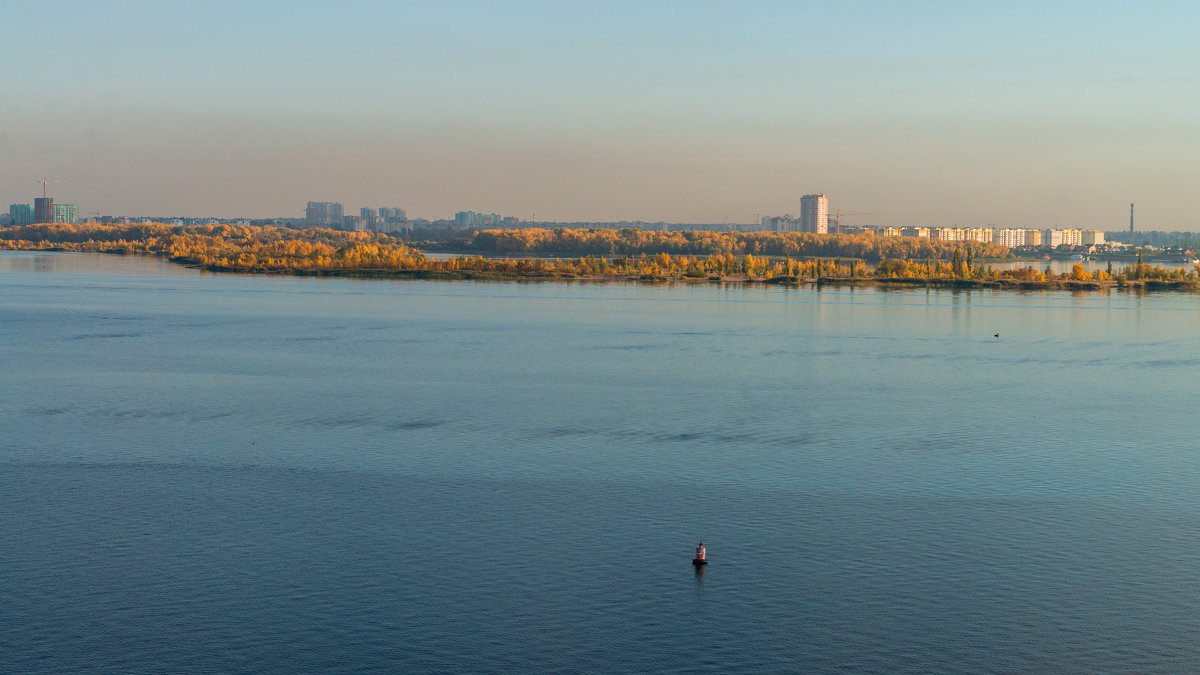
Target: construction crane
(837,218)
(50,180)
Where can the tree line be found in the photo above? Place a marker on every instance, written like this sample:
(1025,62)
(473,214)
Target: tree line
(315,251)
(633,241)
(249,248)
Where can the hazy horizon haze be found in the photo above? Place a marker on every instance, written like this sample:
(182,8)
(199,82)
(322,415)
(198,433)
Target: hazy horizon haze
(932,113)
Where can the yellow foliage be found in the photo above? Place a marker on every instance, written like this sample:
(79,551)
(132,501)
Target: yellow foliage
(679,255)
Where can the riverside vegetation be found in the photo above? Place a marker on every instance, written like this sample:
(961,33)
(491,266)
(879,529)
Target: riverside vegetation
(762,257)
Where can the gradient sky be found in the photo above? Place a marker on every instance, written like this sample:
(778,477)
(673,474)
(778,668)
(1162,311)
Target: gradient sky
(971,113)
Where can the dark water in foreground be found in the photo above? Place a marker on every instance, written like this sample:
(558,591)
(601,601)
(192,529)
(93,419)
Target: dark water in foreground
(223,473)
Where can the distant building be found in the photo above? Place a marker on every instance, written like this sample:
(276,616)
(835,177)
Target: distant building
(473,219)
(391,214)
(983,236)
(43,210)
(1014,238)
(1052,238)
(814,214)
(785,223)
(391,220)
(1073,237)
(1009,237)
(66,213)
(20,214)
(324,214)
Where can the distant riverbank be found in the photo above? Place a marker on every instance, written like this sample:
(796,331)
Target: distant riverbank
(933,282)
(316,252)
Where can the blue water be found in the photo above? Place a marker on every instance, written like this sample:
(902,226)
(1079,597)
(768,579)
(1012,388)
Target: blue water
(241,474)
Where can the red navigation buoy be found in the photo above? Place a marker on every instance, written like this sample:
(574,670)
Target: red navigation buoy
(701,555)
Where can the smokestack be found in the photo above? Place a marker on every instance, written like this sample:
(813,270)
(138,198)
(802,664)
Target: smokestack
(1131,218)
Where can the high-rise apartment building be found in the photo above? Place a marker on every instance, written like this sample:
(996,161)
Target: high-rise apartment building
(20,214)
(473,219)
(1009,237)
(391,214)
(391,219)
(324,214)
(1054,238)
(66,213)
(983,236)
(43,210)
(814,214)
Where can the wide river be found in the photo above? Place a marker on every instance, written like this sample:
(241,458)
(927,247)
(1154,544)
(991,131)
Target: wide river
(221,473)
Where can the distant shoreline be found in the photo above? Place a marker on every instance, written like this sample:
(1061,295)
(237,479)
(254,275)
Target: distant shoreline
(364,255)
(909,282)
(786,281)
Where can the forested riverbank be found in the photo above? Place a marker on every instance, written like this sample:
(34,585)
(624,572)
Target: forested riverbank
(646,256)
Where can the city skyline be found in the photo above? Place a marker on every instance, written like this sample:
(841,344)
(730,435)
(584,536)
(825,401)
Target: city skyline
(922,113)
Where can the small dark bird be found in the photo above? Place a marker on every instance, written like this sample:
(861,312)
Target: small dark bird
(996,335)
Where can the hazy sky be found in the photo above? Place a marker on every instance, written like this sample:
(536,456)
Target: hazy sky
(973,113)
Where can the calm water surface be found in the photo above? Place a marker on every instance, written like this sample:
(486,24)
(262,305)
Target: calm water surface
(225,473)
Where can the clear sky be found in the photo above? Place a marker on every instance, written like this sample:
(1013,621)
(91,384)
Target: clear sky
(972,113)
